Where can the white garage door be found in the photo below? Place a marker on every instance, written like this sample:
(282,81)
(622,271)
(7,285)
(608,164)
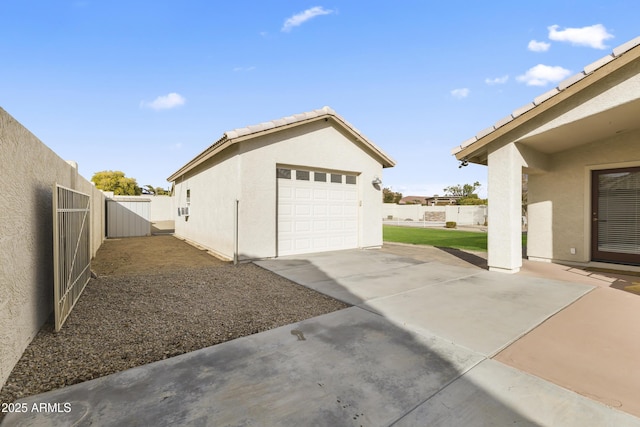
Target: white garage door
(317,211)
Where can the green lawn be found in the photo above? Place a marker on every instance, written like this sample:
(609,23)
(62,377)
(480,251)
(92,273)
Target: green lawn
(438,237)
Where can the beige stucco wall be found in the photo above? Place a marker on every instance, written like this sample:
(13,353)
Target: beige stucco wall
(214,187)
(161,208)
(560,199)
(28,172)
(246,172)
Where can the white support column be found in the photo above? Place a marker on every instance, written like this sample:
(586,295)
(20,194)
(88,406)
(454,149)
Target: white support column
(505,209)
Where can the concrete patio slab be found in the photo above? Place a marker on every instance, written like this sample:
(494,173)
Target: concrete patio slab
(449,256)
(350,367)
(591,347)
(361,287)
(357,276)
(493,394)
(485,312)
(310,268)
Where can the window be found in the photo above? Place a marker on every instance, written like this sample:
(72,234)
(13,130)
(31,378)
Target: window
(283,173)
(302,175)
(336,177)
(320,177)
(350,179)
(188,196)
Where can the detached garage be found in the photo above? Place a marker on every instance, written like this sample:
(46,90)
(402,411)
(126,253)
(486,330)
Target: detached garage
(304,183)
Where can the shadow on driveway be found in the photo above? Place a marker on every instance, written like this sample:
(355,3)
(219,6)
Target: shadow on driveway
(377,363)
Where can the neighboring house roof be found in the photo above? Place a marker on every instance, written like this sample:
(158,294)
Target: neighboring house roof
(423,199)
(242,134)
(592,73)
(407,199)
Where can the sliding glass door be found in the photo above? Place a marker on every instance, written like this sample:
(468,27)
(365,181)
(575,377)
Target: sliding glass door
(616,216)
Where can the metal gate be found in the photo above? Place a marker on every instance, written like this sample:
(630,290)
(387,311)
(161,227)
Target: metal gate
(71,249)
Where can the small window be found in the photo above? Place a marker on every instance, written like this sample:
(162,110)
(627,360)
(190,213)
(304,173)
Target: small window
(302,175)
(350,179)
(283,173)
(320,176)
(336,177)
(188,196)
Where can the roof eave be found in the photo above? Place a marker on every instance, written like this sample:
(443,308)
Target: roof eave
(474,149)
(226,142)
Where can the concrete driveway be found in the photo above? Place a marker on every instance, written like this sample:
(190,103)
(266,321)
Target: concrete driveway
(416,349)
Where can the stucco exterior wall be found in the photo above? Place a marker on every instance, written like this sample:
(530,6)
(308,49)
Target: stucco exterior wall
(28,172)
(214,188)
(560,199)
(317,145)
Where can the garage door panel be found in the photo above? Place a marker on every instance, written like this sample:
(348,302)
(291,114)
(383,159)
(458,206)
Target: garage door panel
(316,216)
(303,194)
(285,245)
(350,211)
(320,194)
(285,210)
(302,210)
(285,226)
(302,244)
(285,193)
(320,243)
(336,226)
(350,225)
(319,210)
(336,195)
(319,225)
(302,226)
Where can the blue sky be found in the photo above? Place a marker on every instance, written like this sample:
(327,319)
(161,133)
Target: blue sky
(144,86)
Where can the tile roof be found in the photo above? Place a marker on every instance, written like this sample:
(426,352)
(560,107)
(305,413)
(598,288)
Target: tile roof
(248,132)
(617,52)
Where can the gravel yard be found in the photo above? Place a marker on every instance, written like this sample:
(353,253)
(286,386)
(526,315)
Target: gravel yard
(154,298)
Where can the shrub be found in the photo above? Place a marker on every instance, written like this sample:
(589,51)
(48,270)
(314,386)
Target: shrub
(450,224)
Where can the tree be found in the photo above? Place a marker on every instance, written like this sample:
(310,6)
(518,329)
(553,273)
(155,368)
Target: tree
(465,190)
(117,182)
(466,193)
(156,191)
(390,196)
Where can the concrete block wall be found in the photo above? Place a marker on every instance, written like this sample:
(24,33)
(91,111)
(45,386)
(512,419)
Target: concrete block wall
(463,215)
(28,172)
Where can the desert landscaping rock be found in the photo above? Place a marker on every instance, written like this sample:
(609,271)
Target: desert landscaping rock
(154,298)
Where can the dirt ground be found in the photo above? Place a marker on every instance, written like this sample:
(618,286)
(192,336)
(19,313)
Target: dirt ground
(157,297)
(149,255)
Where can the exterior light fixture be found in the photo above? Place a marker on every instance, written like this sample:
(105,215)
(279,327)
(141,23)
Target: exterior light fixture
(376,181)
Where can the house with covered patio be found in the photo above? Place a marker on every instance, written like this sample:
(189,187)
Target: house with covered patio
(579,143)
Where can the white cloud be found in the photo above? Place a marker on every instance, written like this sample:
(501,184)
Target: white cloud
(541,75)
(593,36)
(302,17)
(460,93)
(238,69)
(536,46)
(497,81)
(165,102)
